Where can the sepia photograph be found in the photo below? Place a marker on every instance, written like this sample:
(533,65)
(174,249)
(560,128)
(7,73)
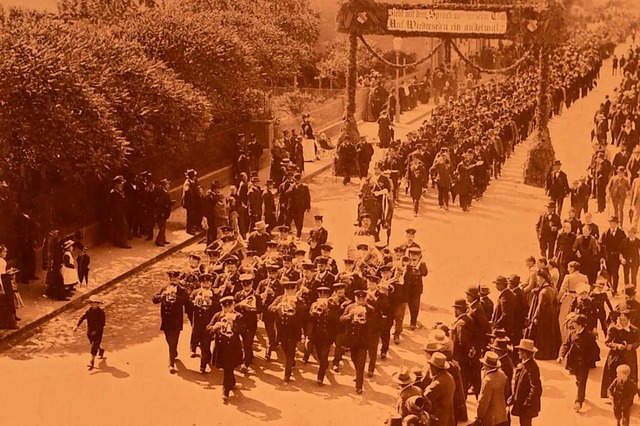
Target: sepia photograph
(319,212)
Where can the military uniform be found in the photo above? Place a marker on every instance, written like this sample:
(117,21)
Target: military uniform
(291,316)
(359,321)
(227,353)
(249,304)
(269,290)
(321,331)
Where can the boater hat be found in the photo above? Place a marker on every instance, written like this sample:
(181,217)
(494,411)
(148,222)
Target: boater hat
(403,377)
(527,345)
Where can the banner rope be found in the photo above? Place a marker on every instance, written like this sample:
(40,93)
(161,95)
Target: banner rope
(391,64)
(476,67)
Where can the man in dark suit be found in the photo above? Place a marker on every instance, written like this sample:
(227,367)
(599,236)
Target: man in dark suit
(581,352)
(317,238)
(612,244)
(118,214)
(504,315)
(172,299)
(527,387)
(269,206)
(299,202)
(254,200)
(441,390)
(463,338)
(163,211)
(481,335)
(557,185)
(547,230)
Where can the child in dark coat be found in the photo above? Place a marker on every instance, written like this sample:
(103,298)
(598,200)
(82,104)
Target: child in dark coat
(622,391)
(600,299)
(96,320)
(82,263)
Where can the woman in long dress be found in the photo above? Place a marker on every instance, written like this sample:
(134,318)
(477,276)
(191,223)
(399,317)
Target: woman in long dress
(623,341)
(568,293)
(544,328)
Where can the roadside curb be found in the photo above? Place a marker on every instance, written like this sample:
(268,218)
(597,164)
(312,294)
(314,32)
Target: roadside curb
(29,329)
(7,341)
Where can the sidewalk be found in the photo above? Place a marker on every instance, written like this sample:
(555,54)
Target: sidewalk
(110,265)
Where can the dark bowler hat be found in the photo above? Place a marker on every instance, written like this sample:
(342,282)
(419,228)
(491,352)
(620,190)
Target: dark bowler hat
(514,279)
(614,219)
(473,291)
(500,280)
(551,204)
(461,303)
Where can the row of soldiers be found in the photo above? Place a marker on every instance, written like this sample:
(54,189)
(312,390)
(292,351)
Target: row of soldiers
(355,307)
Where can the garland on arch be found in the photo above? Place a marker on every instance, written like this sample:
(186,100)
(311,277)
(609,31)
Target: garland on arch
(391,64)
(477,67)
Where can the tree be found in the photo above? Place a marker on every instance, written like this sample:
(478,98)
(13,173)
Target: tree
(335,62)
(547,35)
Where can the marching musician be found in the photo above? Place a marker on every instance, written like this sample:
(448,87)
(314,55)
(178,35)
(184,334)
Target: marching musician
(227,327)
(213,266)
(269,289)
(352,277)
(172,299)
(229,281)
(380,303)
(358,319)
(340,301)
(308,284)
(317,237)
(400,292)
(386,288)
(291,315)
(225,231)
(416,271)
(410,235)
(325,251)
(299,259)
(205,304)
(272,255)
(249,305)
(322,329)
(323,276)
(289,272)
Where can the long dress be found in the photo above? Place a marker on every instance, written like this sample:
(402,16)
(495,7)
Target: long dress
(545,328)
(566,295)
(615,336)
(384,131)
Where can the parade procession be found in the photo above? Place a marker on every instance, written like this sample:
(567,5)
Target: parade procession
(301,212)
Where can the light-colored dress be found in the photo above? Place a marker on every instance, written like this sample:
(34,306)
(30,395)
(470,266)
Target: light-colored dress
(566,296)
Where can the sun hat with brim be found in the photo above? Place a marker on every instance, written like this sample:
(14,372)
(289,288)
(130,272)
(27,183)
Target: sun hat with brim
(439,360)
(403,377)
(67,244)
(95,299)
(527,345)
(491,360)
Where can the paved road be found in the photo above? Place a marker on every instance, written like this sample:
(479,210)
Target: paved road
(47,379)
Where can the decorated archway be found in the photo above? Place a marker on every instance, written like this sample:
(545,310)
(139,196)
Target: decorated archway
(537,26)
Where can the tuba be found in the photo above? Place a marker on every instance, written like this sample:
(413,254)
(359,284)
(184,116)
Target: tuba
(320,307)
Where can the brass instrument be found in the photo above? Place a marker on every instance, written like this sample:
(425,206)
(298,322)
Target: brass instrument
(359,315)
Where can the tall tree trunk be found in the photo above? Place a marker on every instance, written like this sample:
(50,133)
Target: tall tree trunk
(349,126)
(542,155)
